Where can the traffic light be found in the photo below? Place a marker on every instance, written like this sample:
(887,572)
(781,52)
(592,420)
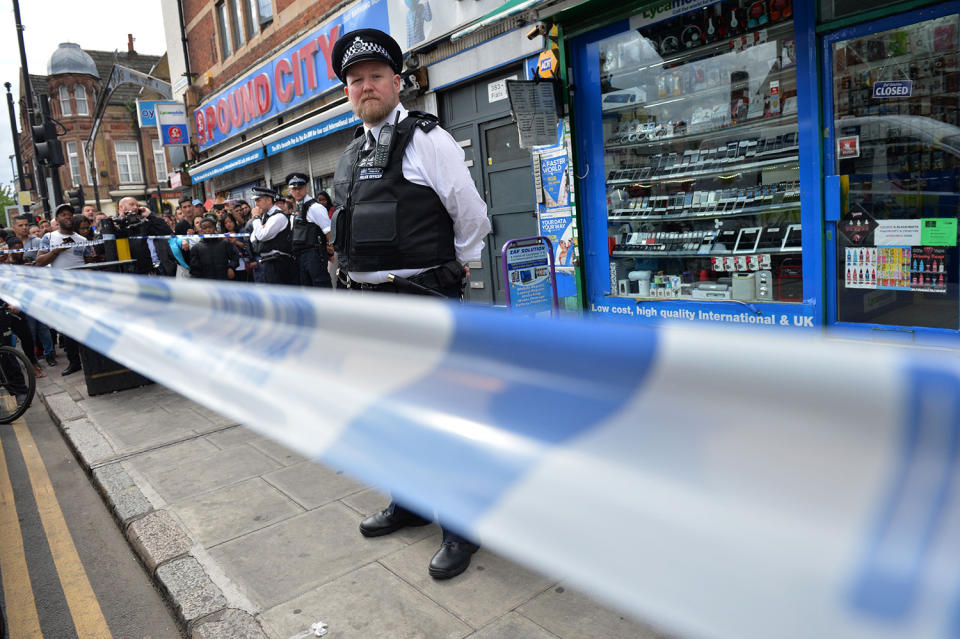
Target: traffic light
(75,198)
(49,151)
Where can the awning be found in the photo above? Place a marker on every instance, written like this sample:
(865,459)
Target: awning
(506,10)
(330,121)
(247,154)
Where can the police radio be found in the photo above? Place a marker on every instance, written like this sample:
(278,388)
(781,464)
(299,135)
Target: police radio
(384,142)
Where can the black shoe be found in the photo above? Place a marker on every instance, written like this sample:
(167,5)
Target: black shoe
(21,398)
(384,523)
(71,369)
(51,359)
(452,559)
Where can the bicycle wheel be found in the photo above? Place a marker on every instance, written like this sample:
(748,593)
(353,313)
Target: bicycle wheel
(17,384)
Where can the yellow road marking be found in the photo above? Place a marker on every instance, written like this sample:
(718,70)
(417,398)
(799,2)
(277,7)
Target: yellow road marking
(22,619)
(84,607)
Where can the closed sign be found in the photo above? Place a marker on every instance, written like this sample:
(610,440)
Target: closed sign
(893,89)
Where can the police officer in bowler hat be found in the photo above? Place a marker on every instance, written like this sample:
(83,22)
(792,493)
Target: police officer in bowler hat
(271,228)
(409,208)
(311,231)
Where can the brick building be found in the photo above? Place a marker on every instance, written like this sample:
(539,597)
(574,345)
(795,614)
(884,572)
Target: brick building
(257,79)
(128,160)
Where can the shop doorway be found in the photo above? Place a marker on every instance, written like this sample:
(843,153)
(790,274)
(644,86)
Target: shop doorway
(892,159)
(479,120)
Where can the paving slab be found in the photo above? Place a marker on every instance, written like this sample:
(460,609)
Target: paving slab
(368,603)
(491,587)
(190,589)
(312,485)
(286,559)
(157,537)
(216,470)
(367,502)
(141,428)
(213,417)
(228,624)
(230,437)
(158,460)
(513,626)
(570,614)
(231,512)
(277,451)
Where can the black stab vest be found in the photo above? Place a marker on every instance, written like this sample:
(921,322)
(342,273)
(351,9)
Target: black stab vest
(385,221)
(306,234)
(282,242)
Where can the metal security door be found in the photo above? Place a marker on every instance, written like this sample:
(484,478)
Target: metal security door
(893,149)
(508,190)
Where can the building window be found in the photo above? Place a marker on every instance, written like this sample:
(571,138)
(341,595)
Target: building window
(160,161)
(65,101)
(80,95)
(236,21)
(223,22)
(90,171)
(73,161)
(261,12)
(128,161)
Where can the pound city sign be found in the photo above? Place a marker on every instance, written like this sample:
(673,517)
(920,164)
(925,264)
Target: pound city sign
(298,74)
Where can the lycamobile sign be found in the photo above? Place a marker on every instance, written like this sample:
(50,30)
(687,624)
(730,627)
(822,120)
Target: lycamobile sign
(665,10)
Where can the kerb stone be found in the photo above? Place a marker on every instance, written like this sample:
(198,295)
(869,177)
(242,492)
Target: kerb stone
(190,590)
(122,494)
(228,624)
(62,407)
(158,538)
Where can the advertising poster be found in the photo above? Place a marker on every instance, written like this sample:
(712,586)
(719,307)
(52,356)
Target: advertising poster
(553,173)
(528,278)
(898,268)
(939,231)
(172,123)
(416,21)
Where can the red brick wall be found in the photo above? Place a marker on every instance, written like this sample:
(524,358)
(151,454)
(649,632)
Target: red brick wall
(193,8)
(202,45)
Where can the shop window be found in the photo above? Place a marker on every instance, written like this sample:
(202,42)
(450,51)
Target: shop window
(65,101)
(128,161)
(86,164)
(73,161)
(263,11)
(80,96)
(223,23)
(503,145)
(699,116)
(160,161)
(896,110)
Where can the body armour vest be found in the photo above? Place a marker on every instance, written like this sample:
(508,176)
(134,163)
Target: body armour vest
(306,234)
(385,221)
(282,242)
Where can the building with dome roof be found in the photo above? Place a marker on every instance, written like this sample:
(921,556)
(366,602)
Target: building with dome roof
(128,160)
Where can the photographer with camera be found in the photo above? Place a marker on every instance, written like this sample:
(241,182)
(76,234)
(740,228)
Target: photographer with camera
(153,257)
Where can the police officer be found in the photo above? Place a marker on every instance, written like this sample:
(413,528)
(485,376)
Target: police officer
(408,208)
(271,228)
(311,231)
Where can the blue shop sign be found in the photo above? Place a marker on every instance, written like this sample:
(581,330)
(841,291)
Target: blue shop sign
(229,165)
(893,88)
(343,121)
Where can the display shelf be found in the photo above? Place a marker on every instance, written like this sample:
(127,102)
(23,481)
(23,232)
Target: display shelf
(759,123)
(642,253)
(789,83)
(791,160)
(616,217)
(911,58)
(725,46)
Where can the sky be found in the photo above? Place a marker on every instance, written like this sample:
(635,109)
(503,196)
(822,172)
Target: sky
(102,25)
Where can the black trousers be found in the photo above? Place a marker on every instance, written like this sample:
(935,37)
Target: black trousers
(312,268)
(72,349)
(280,270)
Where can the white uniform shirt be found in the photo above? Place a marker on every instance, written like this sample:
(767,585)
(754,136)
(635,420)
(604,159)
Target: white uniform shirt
(263,232)
(72,257)
(317,213)
(435,160)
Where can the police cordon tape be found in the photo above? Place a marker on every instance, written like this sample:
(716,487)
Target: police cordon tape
(720,483)
(196,236)
(67,245)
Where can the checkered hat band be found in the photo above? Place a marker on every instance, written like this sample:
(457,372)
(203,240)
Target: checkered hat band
(360,47)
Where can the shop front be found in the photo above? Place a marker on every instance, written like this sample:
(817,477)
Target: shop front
(740,163)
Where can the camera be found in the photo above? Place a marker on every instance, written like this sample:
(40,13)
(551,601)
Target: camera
(538,29)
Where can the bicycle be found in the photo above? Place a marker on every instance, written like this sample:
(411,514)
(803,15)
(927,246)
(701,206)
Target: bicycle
(18,383)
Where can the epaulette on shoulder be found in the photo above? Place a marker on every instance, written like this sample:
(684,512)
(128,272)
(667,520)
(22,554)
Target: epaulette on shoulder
(426,121)
(358,132)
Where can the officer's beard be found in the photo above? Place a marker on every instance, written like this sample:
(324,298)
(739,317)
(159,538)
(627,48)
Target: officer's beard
(375,111)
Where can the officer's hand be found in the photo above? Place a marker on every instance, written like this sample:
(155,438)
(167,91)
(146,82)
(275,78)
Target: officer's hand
(256,212)
(466,275)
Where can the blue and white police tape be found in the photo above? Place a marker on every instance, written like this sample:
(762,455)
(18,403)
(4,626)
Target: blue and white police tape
(37,250)
(199,236)
(721,483)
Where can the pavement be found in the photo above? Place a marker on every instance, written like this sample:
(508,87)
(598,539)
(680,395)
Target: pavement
(249,540)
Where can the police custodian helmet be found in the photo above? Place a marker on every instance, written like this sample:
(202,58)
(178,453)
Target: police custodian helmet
(362,45)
